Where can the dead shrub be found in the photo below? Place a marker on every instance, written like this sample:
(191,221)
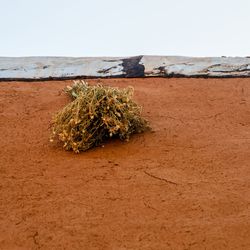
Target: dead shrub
(96,114)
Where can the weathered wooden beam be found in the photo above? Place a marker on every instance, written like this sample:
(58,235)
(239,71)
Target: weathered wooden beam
(39,68)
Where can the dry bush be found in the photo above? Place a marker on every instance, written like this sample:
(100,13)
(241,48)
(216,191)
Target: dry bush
(95,114)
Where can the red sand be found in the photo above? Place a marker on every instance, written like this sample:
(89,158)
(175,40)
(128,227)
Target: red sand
(185,186)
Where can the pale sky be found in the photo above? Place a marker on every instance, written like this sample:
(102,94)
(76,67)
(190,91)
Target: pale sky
(124,27)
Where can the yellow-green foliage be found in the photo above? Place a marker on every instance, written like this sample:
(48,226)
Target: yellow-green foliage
(95,114)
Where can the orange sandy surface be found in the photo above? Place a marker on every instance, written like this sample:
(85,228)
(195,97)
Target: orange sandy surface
(186,185)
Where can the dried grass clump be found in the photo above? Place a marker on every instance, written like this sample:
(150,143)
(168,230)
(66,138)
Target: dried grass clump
(95,114)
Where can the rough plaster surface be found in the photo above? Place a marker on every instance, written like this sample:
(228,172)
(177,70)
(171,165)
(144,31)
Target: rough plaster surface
(35,68)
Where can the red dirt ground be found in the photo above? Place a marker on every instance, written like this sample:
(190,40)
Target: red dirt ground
(186,185)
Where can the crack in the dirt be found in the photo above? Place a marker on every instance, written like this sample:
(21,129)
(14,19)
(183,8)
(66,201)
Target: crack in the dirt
(114,198)
(190,147)
(208,117)
(19,222)
(173,118)
(161,179)
(34,237)
(146,204)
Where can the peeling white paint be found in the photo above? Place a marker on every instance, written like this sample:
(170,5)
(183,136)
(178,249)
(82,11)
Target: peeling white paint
(69,67)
